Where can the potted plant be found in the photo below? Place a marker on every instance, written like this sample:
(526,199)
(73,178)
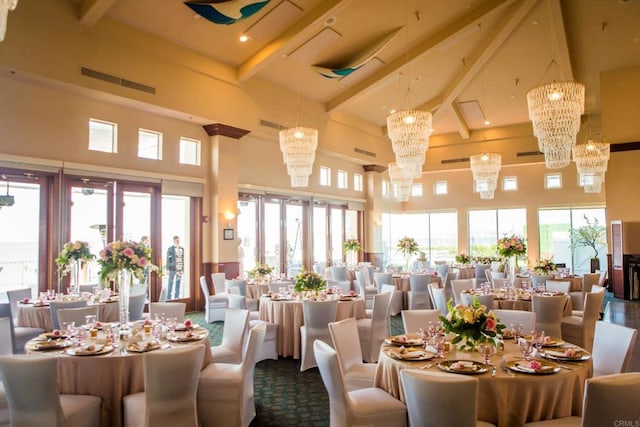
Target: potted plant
(592,235)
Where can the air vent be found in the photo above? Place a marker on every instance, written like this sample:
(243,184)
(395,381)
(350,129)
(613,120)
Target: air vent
(528,153)
(88,72)
(272,125)
(365,152)
(449,161)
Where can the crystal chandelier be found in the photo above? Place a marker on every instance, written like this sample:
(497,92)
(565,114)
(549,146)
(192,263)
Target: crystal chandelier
(401,178)
(409,131)
(555,110)
(298,146)
(485,168)
(5,7)
(591,163)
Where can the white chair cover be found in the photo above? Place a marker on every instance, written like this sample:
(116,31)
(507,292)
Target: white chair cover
(215,306)
(548,312)
(480,275)
(136,307)
(457,286)
(170,384)
(241,287)
(434,398)
(345,285)
(414,320)
(31,384)
(439,298)
(339,273)
(218,280)
(54,306)
(317,316)
(170,309)
(612,348)
(418,296)
(354,372)
(372,332)
(365,407)
(225,391)
(6,347)
(486,300)
(558,286)
(517,317)
(366,291)
(579,330)
(499,283)
(382,279)
(77,315)
(19,335)
(537,280)
(233,333)
(452,275)
(396,299)
(274,286)
(14,296)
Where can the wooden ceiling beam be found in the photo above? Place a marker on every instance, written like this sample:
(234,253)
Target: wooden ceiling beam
(91,11)
(424,46)
(559,35)
(295,33)
(461,123)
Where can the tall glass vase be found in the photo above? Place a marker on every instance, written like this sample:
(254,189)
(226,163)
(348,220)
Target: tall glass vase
(513,267)
(74,286)
(352,258)
(123,285)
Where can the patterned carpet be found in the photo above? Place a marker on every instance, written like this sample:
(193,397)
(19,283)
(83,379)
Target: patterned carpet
(285,396)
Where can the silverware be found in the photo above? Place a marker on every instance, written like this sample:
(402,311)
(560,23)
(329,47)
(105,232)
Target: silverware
(493,371)
(427,366)
(508,372)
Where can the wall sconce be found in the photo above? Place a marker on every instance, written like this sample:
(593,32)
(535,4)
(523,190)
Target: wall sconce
(229,216)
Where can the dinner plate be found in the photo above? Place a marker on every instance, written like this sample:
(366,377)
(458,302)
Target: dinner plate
(346,298)
(523,366)
(48,345)
(52,336)
(184,338)
(560,355)
(98,349)
(468,367)
(142,347)
(408,341)
(409,353)
(552,342)
(181,327)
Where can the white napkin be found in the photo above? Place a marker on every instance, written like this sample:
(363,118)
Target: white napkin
(413,354)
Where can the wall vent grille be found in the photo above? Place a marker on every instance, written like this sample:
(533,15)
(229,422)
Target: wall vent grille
(364,152)
(88,72)
(449,161)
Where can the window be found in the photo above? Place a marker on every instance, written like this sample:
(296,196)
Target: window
(553,180)
(189,151)
(440,188)
(416,190)
(149,144)
(510,183)
(357,182)
(385,187)
(325,176)
(342,179)
(103,136)
(487,226)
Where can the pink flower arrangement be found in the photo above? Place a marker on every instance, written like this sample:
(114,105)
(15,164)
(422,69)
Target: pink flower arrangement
(125,255)
(513,245)
(473,324)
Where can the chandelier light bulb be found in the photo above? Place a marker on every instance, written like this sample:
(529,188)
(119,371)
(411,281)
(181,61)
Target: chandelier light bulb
(298,135)
(409,120)
(555,96)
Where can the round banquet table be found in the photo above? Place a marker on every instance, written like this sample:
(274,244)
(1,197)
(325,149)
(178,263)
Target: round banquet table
(526,305)
(40,316)
(508,399)
(110,376)
(256,290)
(575,282)
(402,282)
(287,314)
(464,272)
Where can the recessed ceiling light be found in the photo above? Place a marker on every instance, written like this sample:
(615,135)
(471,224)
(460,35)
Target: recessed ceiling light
(196,16)
(416,79)
(535,22)
(243,38)
(330,21)
(392,111)
(487,122)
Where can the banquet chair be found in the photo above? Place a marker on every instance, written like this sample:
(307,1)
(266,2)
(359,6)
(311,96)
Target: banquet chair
(480,275)
(317,316)
(355,373)
(241,287)
(275,285)
(77,315)
(169,309)
(612,348)
(418,296)
(548,312)
(603,277)
(452,275)
(488,273)
(366,291)
(486,300)
(498,283)
(439,299)
(579,330)
(345,285)
(538,280)
(414,320)
(382,279)
(578,297)
(87,288)
(54,306)
(372,332)
(136,306)
(369,406)
(170,384)
(268,348)
(15,296)
(215,306)
(558,286)
(163,295)
(517,317)
(19,334)
(236,322)
(608,401)
(396,299)
(6,347)
(433,399)
(457,286)
(442,270)
(31,384)
(225,391)
(339,273)
(598,288)
(497,275)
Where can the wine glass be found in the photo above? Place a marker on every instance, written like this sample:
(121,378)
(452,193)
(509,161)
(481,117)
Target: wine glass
(171,324)
(438,343)
(538,339)
(488,350)
(526,347)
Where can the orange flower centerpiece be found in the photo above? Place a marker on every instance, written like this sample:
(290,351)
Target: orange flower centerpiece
(473,325)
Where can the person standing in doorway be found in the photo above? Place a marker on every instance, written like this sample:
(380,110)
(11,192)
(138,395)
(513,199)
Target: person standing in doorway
(175,265)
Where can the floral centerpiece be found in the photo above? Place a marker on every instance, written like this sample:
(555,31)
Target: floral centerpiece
(309,281)
(352,245)
(125,255)
(463,259)
(261,270)
(513,245)
(408,246)
(72,253)
(544,266)
(473,325)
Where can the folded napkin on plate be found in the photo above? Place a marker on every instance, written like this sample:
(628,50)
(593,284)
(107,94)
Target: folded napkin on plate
(523,367)
(413,354)
(464,364)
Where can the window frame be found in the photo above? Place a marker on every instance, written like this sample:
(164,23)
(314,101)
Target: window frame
(158,141)
(114,136)
(198,148)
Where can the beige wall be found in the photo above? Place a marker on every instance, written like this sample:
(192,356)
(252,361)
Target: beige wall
(623,197)
(620,95)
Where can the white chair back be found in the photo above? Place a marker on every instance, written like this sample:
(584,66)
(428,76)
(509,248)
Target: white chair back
(77,315)
(517,317)
(588,280)
(366,277)
(558,286)
(433,398)
(16,295)
(592,304)
(275,285)
(327,359)
(339,273)
(346,341)
(497,275)
(602,394)
(218,280)
(603,277)
(6,346)
(442,270)
(170,309)
(345,285)
(380,321)
(240,285)
(237,301)
(54,306)
(136,306)
(500,283)
(382,279)
(451,275)
(318,314)
(486,300)
(414,320)
(548,312)
(537,280)
(204,287)
(612,348)
(480,275)
(488,274)
(457,286)
(419,299)
(234,332)
(163,295)
(171,403)
(439,298)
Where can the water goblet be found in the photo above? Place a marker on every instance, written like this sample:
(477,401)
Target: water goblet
(438,343)
(156,331)
(519,331)
(68,327)
(171,324)
(526,347)
(538,339)
(90,320)
(51,293)
(488,350)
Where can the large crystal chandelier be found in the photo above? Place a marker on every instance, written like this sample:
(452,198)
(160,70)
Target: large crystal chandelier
(5,7)
(591,163)
(409,131)
(298,146)
(485,168)
(401,178)
(555,110)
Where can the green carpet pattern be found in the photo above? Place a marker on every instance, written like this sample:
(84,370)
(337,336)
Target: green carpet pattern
(284,396)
